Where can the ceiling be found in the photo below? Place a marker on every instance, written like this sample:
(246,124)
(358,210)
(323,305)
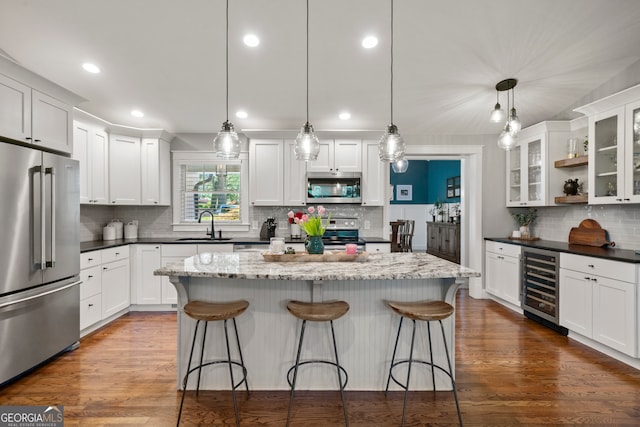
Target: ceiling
(167,58)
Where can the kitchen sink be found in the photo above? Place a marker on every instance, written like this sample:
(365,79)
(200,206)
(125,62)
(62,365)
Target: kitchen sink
(204,239)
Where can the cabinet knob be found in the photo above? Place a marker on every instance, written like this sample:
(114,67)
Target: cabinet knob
(155,203)
(89,277)
(590,265)
(104,268)
(90,305)
(113,201)
(28,138)
(90,259)
(36,140)
(117,253)
(594,279)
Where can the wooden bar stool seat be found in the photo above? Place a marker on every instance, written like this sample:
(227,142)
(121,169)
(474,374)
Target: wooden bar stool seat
(318,312)
(427,311)
(206,312)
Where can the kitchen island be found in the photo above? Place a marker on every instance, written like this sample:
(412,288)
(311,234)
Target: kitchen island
(268,333)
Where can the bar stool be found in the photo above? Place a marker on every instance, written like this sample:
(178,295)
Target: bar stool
(209,312)
(318,312)
(428,311)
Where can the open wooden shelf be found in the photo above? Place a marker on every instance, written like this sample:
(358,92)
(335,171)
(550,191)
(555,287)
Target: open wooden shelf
(572,163)
(580,198)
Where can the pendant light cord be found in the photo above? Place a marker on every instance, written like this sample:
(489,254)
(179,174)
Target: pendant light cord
(307,61)
(227,61)
(391,61)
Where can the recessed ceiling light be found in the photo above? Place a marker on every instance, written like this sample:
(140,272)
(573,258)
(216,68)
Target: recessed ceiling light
(137,113)
(344,116)
(369,42)
(242,114)
(92,68)
(251,40)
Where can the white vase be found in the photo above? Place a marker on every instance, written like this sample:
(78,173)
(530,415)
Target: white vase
(525,232)
(295,231)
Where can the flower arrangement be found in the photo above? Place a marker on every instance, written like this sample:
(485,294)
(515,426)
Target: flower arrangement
(525,218)
(311,222)
(294,217)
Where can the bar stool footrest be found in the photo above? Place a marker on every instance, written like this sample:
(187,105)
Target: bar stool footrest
(326,362)
(423,362)
(215,362)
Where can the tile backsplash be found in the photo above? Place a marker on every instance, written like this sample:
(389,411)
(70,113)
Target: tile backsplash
(154,221)
(621,221)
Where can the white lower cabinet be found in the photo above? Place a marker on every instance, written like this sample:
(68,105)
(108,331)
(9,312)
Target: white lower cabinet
(502,271)
(378,248)
(105,284)
(116,293)
(148,288)
(598,300)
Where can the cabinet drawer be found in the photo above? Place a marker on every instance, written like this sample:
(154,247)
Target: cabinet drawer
(91,282)
(179,250)
(503,249)
(90,311)
(90,259)
(623,271)
(115,254)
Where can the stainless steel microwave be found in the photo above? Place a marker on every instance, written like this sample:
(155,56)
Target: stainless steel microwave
(334,187)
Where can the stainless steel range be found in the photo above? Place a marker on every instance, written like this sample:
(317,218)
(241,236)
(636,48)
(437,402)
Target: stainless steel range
(341,231)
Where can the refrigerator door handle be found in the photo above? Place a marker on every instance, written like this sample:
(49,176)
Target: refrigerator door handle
(32,297)
(43,237)
(52,262)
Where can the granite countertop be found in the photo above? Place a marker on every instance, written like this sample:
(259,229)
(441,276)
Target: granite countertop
(624,255)
(95,245)
(251,265)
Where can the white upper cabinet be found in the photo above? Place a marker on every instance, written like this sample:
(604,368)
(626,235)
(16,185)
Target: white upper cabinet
(527,183)
(15,109)
(31,116)
(124,170)
(614,148)
(266,172)
(295,176)
(91,149)
(51,122)
(374,175)
(155,172)
(338,156)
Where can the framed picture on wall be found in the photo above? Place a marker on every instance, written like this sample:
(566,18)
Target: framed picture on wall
(453,187)
(404,192)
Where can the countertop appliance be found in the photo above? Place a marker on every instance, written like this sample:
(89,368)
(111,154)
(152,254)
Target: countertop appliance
(334,187)
(341,231)
(541,287)
(40,262)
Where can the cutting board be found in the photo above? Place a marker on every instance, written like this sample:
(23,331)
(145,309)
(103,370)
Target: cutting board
(589,233)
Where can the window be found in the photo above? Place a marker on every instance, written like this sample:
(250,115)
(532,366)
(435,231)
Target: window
(208,186)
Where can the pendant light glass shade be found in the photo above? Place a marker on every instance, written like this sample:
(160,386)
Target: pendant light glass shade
(391,145)
(227,143)
(507,139)
(307,144)
(497,115)
(400,166)
(514,122)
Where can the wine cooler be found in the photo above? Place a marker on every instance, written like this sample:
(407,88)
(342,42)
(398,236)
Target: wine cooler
(540,287)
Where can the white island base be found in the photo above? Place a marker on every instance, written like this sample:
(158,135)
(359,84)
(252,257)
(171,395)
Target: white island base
(269,333)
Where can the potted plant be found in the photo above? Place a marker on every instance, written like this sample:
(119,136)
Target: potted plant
(314,227)
(525,219)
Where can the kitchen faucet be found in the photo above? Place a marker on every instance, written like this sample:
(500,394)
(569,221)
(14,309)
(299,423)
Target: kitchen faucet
(213,234)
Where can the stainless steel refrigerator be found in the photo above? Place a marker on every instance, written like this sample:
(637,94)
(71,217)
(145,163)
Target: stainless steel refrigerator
(40,257)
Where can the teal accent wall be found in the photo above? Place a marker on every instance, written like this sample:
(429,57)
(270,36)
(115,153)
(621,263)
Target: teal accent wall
(428,179)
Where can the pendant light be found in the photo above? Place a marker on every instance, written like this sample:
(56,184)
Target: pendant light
(400,166)
(391,145)
(307,145)
(508,137)
(227,144)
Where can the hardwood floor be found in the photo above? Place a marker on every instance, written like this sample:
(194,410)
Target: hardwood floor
(510,371)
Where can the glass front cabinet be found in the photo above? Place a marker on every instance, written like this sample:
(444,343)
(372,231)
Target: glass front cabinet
(614,148)
(527,172)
